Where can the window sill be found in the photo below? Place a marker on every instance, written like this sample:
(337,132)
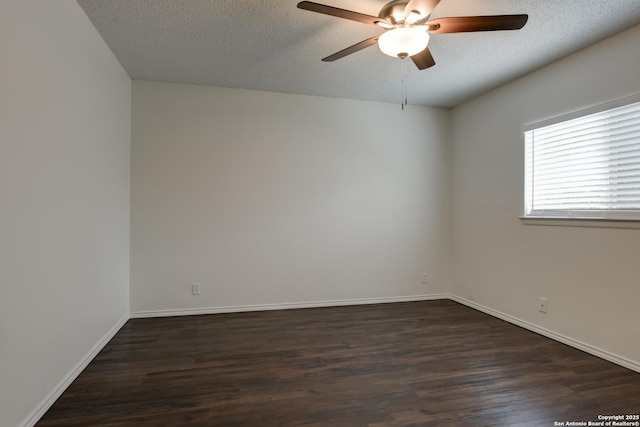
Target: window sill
(581,222)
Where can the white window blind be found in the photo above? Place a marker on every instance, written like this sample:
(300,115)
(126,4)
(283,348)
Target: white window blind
(585,166)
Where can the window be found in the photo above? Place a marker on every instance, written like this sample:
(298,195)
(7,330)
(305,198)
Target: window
(585,165)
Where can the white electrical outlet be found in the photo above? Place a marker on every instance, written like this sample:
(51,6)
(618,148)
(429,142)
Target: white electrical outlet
(542,306)
(195,289)
(424,278)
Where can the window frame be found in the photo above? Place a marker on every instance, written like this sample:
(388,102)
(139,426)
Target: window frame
(584,218)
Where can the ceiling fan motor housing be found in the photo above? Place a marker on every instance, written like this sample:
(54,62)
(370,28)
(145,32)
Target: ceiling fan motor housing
(393,11)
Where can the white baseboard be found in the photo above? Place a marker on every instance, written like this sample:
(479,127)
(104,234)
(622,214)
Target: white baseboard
(44,406)
(614,358)
(283,306)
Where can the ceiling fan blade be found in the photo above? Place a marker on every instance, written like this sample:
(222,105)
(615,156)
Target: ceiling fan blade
(464,24)
(423,59)
(340,13)
(351,49)
(419,9)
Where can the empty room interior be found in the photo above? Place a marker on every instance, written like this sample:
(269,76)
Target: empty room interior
(236,213)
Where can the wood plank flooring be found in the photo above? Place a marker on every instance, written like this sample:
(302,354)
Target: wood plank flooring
(431,363)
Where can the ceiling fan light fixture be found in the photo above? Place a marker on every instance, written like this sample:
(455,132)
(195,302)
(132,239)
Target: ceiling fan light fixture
(403,41)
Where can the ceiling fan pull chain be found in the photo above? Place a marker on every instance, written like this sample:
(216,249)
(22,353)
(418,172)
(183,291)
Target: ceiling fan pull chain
(404,82)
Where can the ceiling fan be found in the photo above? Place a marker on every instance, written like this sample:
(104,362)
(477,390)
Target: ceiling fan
(407,27)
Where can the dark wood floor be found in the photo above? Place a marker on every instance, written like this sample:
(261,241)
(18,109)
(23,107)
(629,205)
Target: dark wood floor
(432,363)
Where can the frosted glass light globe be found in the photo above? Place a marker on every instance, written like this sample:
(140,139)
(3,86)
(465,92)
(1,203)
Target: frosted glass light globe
(404,41)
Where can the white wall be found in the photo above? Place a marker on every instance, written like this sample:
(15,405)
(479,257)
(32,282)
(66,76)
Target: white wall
(268,198)
(591,276)
(64,199)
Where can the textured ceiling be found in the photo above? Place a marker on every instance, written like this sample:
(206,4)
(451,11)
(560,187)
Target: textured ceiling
(272,45)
